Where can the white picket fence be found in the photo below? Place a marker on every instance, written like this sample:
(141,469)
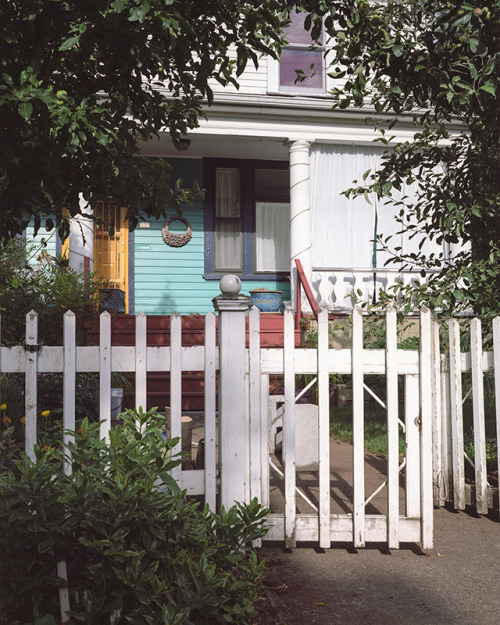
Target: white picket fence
(449,457)
(236,463)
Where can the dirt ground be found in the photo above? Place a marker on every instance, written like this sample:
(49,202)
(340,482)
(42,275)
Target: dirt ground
(456,583)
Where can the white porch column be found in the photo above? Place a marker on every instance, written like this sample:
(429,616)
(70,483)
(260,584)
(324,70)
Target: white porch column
(81,239)
(300,213)
(233,405)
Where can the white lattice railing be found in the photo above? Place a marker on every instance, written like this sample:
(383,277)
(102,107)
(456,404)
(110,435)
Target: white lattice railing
(340,288)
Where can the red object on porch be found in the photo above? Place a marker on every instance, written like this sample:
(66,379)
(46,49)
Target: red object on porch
(302,281)
(193,333)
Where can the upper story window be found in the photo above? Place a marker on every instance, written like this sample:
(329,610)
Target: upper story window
(300,69)
(247,219)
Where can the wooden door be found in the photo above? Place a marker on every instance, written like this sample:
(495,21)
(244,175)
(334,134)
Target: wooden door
(111,249)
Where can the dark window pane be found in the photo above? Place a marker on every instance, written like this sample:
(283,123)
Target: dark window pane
(292,60)
(272,183)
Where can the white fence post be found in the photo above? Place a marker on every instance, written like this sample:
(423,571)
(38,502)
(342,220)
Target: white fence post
(425,375)
(210,363)
(457,428)
(289,428)
(31,346)
(233,419)
(476,353)
(324,430)
(69,384)
(105,374)
(391,370)
(141,361)
(496,361)
(358,428)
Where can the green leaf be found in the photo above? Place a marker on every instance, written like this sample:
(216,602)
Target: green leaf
(489,88)
(25,109)
(69,43)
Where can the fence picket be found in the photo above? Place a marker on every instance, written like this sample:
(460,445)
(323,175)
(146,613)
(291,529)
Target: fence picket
(289,427)
(254,403)
(31,383)
(264,433)
(437,435)
(478,413)
(176,388)
(323,430)
(496,359)
(69,383)
(141,361)
(391,354)
(457,428)
(105,368)
(358,427)
(433,401)
(412,438)
(210,460)
(426,429)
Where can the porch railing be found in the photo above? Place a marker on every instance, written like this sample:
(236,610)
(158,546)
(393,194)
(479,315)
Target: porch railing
(339,288)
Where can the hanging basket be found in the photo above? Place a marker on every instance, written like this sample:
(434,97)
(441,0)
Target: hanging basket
(174,239)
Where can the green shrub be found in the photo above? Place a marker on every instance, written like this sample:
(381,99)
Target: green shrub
(30,279)
(137,550)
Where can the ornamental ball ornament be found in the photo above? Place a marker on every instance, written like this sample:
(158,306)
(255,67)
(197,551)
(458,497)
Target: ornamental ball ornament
(230,284)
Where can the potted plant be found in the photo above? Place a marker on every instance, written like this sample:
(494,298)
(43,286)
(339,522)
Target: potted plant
(266,300)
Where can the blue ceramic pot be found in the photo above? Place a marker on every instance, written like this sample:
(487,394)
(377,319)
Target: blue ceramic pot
(266,301)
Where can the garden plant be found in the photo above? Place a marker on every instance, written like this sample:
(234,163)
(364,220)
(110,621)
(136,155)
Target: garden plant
(137,549)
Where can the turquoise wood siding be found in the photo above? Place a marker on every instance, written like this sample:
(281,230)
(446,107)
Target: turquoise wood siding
(44,241)
(169,279)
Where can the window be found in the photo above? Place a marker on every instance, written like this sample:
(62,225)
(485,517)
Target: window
(298,56)
(247,219)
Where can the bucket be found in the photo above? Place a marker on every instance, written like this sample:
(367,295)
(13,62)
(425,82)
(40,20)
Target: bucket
(116,402)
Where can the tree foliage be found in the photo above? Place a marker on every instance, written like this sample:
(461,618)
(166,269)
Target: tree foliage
(82,83)
(437,64)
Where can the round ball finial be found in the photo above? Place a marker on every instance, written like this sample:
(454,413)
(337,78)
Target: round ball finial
(230,284)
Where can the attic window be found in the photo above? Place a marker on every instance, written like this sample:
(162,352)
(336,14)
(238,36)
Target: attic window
(299,57)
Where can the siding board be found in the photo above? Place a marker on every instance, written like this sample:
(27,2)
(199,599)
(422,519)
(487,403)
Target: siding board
(168,279)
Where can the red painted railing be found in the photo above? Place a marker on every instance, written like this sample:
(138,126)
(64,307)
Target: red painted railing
(303,283)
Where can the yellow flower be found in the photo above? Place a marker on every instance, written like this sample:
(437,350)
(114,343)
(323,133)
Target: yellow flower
(47,448)
(45,413)
(3,407)
(23,419)
(6,420)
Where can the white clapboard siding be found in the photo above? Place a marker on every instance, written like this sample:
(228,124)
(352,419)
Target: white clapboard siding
(253,81)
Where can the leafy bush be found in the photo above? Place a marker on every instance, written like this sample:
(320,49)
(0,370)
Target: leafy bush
(49,287)
(137,550)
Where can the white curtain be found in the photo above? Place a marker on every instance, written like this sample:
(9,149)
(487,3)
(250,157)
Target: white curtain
(342,229)
(272,236)
(228,247)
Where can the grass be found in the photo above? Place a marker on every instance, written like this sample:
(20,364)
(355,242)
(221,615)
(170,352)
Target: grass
(375,427)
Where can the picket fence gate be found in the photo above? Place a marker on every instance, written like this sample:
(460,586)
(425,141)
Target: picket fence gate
(237,458)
